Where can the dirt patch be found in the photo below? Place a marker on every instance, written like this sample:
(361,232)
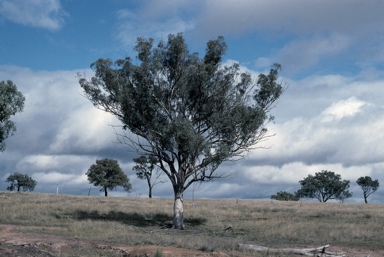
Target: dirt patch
(14,243)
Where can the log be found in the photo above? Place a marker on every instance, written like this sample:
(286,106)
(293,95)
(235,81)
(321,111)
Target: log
(319,251)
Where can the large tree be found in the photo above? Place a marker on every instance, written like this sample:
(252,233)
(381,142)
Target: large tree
(324,186)
(11,102)
(191,113)
(368,186)
(108,174)
(146,169)
(20,181)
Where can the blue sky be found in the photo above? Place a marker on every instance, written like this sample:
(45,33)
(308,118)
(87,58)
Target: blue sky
(329,118)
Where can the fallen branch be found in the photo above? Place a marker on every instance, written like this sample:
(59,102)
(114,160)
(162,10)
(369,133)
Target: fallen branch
(320,251)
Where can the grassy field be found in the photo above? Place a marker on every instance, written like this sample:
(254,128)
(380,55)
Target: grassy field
(211,225)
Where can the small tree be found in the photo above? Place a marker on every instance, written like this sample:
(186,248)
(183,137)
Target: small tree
(145,168)
(325,185)
(108,174)
(11,102)
(368,185)
(285,196)
(19,181)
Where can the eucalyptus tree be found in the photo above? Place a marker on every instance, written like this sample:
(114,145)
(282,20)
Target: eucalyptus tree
(146,169)
(21,181)
(324,186)
(191,113)
(107,174)
(368,186)
(11,102)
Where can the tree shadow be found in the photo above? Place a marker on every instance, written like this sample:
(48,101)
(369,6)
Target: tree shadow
(161,220)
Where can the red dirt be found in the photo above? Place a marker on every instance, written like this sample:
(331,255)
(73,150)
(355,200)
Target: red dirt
(14,243)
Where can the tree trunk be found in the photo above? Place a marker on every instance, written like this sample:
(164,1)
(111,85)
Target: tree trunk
(365,198)
(149,188)
(178,211)
(105,192)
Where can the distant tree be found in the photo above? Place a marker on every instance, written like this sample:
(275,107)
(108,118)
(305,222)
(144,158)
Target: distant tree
(191,112)
(368,185)
(108,174)
(11,102)
(145,169)
(19,181)
(285,196)
(325,185)
(344,195)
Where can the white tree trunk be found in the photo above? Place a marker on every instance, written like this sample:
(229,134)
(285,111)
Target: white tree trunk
(178,212)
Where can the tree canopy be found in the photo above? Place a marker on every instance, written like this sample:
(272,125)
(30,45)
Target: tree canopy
(20,181)
(368,186)
(108,174)
(11,102)
(191,113)
(324,186)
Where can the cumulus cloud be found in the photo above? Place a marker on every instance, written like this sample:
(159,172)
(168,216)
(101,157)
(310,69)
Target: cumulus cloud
(81,129)
(47,14)
(57,177)
(303,33)
(70,164)
(59,131)
(343,108)
(347,139)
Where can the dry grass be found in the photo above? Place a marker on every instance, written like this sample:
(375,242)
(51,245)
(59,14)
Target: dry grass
(212,225)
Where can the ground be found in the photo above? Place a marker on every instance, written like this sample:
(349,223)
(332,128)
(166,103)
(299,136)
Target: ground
(14,243)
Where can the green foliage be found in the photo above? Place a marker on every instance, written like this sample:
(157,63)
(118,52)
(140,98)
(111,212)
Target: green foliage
(368,186)
(21,181)
(285,196)
(11,102)
(145,168)
(108,174)
(191,113)
(325,185)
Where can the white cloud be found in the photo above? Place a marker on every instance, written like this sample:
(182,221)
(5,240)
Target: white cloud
(353,141)
(61,178)
(295,171)
(46,14)
(343,108)
(86,129)
(73,164)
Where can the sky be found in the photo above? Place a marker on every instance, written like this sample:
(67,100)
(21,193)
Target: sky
(330,117)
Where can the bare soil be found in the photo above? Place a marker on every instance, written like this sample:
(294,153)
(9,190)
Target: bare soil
(15,243)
